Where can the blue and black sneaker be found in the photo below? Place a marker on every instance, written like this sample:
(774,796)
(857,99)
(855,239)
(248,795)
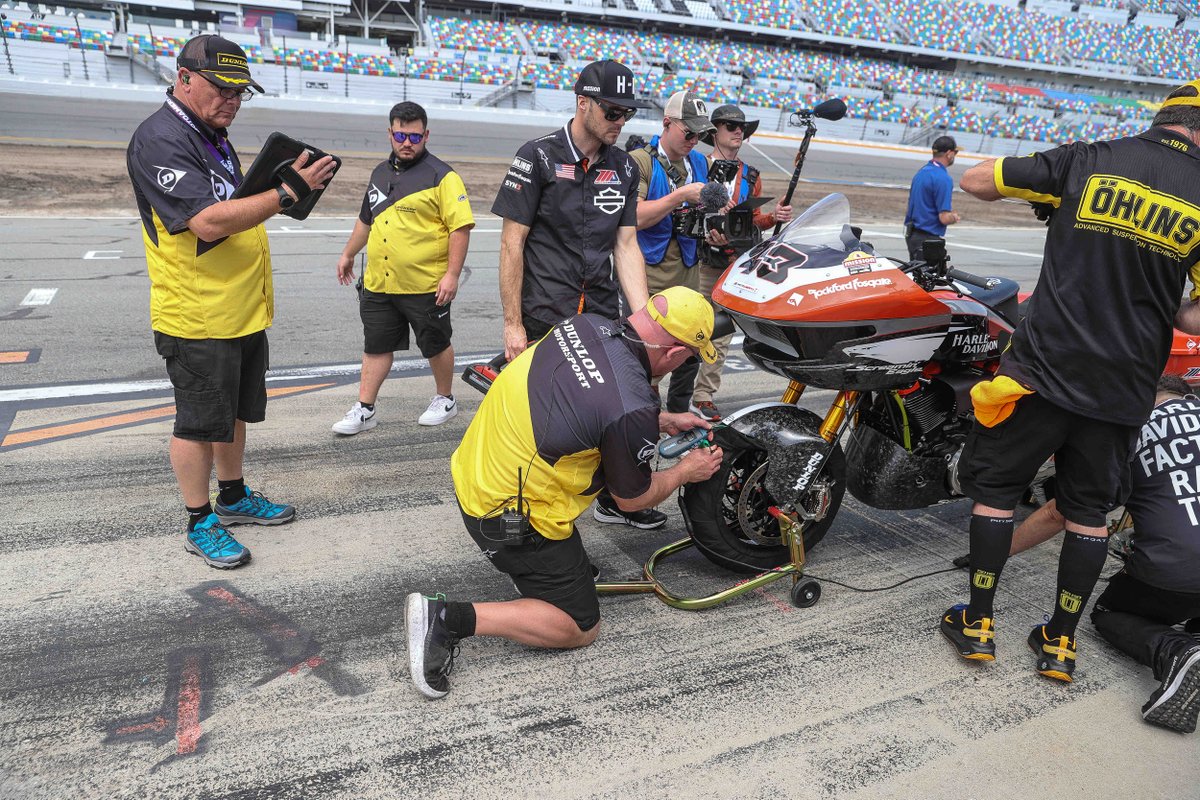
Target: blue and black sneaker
(256,509)
(215,545)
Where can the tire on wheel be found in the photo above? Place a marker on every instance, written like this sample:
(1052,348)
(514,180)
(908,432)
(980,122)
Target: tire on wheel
(727,514)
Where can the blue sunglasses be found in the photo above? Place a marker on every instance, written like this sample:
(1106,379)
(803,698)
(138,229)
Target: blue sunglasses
(411,138)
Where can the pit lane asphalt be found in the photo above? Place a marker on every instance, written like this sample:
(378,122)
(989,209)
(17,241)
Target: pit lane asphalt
(129,669)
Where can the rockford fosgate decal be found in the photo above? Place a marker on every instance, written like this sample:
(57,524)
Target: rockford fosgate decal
(855,283)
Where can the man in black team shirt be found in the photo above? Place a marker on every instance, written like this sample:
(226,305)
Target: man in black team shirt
(1159,587)
(571,414)
(1078,380)
(569,236)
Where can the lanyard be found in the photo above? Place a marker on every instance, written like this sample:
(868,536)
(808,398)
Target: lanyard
(225,159)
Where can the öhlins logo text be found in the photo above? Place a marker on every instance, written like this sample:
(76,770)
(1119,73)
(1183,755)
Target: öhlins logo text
(1151,216)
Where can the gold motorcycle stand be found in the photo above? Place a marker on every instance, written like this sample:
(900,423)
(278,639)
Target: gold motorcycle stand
(805,592)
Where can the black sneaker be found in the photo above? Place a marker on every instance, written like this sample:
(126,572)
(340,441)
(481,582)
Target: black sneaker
(1055,657)
(1176,701)
(646,519)
(975,641)
(431,647)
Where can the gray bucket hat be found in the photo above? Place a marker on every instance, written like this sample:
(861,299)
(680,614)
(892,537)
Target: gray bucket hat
(730,113)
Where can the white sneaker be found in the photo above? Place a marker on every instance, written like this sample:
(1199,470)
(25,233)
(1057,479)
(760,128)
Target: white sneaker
(357,419)
(440,409)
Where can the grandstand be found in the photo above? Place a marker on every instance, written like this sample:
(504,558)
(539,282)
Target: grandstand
(1000,76)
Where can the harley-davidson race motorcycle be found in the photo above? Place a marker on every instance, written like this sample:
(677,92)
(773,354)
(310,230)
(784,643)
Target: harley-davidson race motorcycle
(901,344)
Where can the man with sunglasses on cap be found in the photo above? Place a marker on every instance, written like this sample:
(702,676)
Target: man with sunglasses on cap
(570,414)
(416,224)
(929,198)
(672,176)
(730,131)
(569,204)
(211,298)
(1078,378)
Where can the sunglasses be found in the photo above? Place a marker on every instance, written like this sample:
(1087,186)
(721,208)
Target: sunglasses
(412,138)
(733,126)
(689,135)
(230,94)
(613,113)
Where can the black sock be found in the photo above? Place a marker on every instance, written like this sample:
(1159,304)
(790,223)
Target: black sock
(231,491)
(367,406)
(198,514)
(991,539)
(460,619)
(1079,568)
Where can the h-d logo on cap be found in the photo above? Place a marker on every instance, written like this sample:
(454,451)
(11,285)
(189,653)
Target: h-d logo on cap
(622,80)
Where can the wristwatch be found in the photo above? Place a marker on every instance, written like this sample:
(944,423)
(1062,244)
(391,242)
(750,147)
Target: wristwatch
(285,200)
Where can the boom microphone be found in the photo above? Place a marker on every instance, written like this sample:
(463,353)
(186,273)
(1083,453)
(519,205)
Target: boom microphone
(832,109)
(714,197)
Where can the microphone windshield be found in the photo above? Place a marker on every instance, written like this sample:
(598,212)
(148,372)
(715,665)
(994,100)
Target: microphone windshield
(713,197)
(832,110)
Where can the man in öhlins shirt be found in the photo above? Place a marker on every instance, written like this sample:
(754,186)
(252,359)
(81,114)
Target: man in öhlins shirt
(1078,379)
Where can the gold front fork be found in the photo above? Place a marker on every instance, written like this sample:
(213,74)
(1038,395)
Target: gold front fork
(831,426)
(792,393)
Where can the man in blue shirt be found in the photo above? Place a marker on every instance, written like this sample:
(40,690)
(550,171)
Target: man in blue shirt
(929,211)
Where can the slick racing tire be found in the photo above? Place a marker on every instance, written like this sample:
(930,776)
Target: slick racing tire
(727,514)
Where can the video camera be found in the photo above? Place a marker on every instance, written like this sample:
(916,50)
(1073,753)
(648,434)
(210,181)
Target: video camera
(737,224)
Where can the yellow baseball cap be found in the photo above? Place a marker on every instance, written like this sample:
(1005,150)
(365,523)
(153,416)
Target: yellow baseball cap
(1186,95)
(689,319)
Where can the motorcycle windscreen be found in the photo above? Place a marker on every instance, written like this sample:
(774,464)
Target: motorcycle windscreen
(817,270)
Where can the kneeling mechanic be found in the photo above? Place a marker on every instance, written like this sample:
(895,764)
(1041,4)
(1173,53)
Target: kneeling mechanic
(568,417)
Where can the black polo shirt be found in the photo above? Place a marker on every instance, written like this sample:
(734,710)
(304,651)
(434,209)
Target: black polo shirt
(1164,500)
(573,209)
(1121,244)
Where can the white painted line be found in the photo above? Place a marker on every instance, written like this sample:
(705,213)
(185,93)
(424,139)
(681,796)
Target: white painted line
(955,244)
(99,255)
(39,297)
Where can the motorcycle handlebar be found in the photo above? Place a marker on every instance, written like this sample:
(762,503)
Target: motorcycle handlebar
(974,280)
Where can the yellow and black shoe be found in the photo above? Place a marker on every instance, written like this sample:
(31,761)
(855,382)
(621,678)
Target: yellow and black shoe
(975,641)
(1055,657)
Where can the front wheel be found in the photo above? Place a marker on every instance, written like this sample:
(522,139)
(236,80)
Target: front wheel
(728,516)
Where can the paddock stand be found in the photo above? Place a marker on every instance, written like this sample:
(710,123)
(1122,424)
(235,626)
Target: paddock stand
(805,591)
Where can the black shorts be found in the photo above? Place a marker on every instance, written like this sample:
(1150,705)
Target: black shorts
(557,571)
(1091,460)
(217,381)
(386,319)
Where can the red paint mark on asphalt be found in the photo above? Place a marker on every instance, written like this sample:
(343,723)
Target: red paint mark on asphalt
(251,611)
(311,663)
(773,600)
(156,725)
(187,719)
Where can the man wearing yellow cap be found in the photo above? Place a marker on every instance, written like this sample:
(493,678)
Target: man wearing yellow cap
(1079,376)
(569,416)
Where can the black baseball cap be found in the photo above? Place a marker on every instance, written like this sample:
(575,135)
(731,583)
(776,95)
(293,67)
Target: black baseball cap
(221,62)
(944,144)
(610,81)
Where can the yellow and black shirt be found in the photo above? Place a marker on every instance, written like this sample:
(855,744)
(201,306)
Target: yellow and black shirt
(198,290)
(412,208)
(574,413)
(1121,244)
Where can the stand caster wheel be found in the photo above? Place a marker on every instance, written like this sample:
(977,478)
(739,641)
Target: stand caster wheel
(806,593)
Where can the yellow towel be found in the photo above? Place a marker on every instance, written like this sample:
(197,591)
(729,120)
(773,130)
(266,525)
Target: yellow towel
(995,400)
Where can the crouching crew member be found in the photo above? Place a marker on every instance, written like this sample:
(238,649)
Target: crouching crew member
(572,414)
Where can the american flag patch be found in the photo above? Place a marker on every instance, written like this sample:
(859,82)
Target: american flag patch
(565,171)
(607,177)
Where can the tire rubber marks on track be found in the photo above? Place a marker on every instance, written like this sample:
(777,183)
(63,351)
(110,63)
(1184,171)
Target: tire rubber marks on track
(82,427)
(190,672)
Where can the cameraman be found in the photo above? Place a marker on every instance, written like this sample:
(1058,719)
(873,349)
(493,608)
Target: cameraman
(731,130)
(672,175)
